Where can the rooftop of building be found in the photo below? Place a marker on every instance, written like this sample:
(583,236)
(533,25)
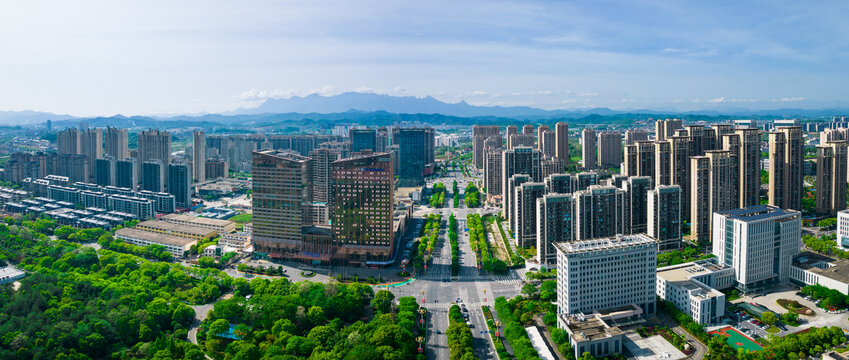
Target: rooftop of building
(284,154)
(825,266)
(587,328)
(169,226)
(682,275)
(324,230)
(197,220)
(617,242)
(757,213)
(154,237)
(10,272)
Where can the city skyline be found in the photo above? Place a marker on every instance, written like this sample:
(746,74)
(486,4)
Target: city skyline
(161,58)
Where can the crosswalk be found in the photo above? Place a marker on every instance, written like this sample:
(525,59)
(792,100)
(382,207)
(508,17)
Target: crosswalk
(473,306)
(511,278)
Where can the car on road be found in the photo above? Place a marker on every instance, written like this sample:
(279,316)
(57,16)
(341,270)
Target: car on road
(438,332)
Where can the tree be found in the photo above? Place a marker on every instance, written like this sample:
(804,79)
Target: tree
(315,315)
(64,231)
(206,262)
(382,301)
(790,318)
(548,290)
(529,289)
(768,318)
(219,326)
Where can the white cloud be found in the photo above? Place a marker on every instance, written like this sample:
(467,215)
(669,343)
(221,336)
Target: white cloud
(792,99)
(716,100)
(366,90)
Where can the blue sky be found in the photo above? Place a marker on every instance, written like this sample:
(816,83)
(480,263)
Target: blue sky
(158,57)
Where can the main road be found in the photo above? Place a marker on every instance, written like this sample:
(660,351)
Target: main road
(439,289)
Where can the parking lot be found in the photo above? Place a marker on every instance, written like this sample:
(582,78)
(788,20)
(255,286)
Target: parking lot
(769,300)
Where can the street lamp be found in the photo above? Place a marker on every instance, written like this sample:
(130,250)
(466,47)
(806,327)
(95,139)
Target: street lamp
(422,312)
(497,324)
(420,339)
(423,299)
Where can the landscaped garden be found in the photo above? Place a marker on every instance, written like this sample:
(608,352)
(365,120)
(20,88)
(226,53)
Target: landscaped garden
(795,306)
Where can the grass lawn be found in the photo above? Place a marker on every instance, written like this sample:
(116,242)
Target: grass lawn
(242,218)
(773,330)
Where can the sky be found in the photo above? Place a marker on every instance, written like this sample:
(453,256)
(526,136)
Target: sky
(108,57)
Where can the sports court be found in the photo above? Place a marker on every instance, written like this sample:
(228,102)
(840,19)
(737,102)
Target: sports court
(736,339)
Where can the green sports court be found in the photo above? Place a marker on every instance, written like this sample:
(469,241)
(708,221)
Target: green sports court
(736,339)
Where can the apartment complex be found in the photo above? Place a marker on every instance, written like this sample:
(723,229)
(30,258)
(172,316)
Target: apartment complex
(786,148)
(480,133)
(589,150)
(198,156)
(555,223)
(665,216)
(831,177)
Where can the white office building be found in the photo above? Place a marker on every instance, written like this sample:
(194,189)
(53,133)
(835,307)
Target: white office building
(686,287)
(814,269)
(612,278)
(759,242)
(843,229)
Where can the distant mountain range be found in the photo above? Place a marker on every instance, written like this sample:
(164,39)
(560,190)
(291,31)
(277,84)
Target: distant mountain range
(28,117)
(379,108)
(352,101)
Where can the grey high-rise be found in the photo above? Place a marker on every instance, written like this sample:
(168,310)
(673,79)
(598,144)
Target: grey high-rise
(609,149)
(665,216)
(126,175)
(521,160)
(589,150)
(179,185)
(480,133)
(199,156)
(154,145)
(526,212)
(785,167)
(831,177)
(711,177)
(91,145)
(634,135)
(115,143)
(105,173)
(555,224)
(68,142)
(636,207)
(363,139)
(562,132)
(153,176)
(415,152)
(598,212)
(509,200)
(492,172)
